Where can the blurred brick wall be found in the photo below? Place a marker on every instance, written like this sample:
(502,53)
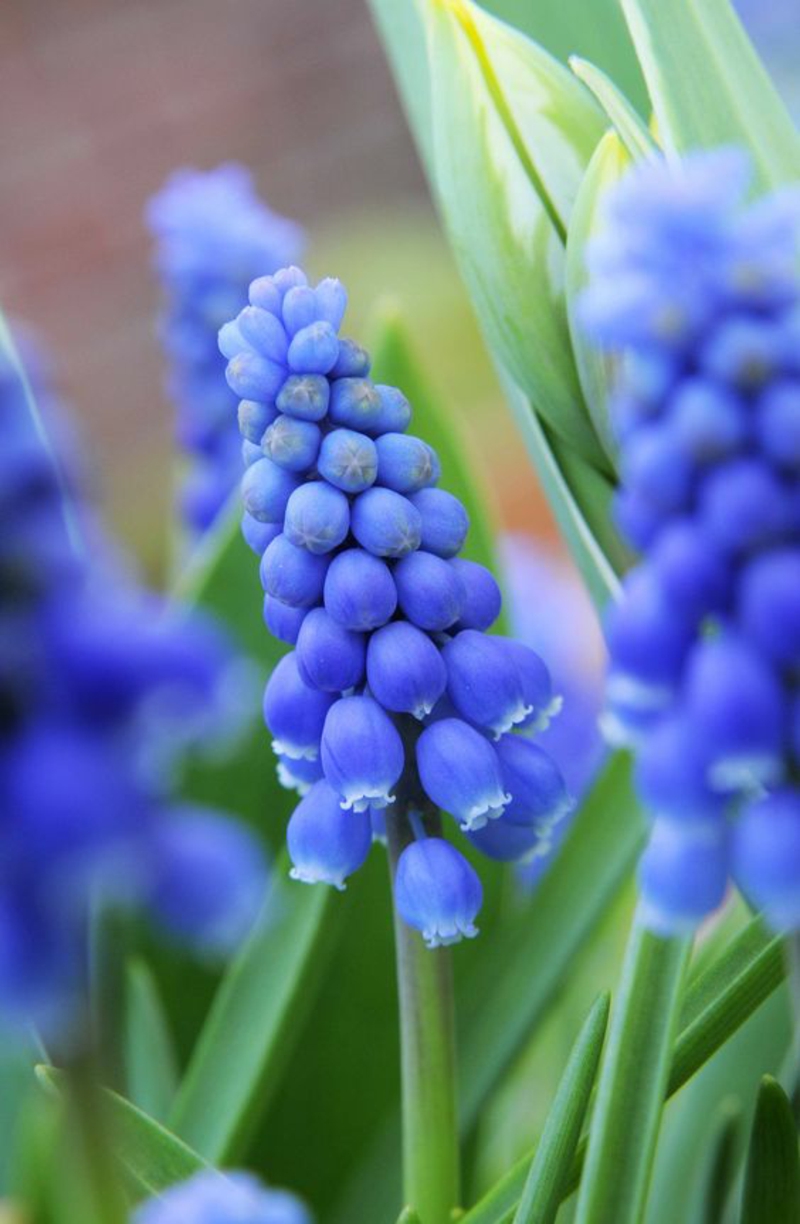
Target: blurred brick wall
(99,100)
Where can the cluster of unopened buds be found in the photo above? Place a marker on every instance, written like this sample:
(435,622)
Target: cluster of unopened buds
(395,701)
(700,294)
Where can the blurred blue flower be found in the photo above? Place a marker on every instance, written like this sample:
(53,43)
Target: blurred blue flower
(213,235)
(698,295)
(210,1197)
(393,686)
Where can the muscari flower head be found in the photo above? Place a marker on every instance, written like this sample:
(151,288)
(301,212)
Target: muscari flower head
(213,235)
(210,1197)
(393,694)
(96,680)
(697,294)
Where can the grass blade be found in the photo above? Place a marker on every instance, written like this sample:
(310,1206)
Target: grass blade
(151,1072)
(772,1181)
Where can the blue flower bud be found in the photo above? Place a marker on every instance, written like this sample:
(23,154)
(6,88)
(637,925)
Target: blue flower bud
(304,396)
(266,489)
(460,772)
(299,308)
(313,350)
(777,419)
(769,605)
(282,620)
(394,414)
(483,682)
(293,575)
(254,420)
(707,421)
(744,352)
(482,600)
(445,522)
(692,575)
(508,843)
(330,298)
(298,774)
(265,294)
(766,856)
(385,523)
(429,591)
(287,278)
(353,360)
(230,340)
(682,875)
(654,465)
(360,592)
(250,453)
(636,517)
(437,892)
(648,641)
(317,517)
(210,878)
(292,444)
(258,535)
(254,378)
(209,1197)
(539,795)
(355,403)
(294,713)
(405,671)
(263,332)
(330,657)
(743,505)
(405,463)
(326,843)
(348,460)
(736,710)
(671,775)
(362,753)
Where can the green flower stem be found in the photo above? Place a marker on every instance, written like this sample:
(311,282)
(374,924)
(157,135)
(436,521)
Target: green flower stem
(633,1080)
(427,1050)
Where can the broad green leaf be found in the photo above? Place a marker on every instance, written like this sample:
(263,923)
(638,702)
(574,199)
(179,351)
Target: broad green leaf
(151,1073)
(595,369)
(708,86)
(549,1173)
(633,1080)
(257,1014)
(772,1182)
(629,127)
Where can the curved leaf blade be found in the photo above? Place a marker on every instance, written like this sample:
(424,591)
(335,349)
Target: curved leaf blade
(772,1180)
(151,1071)
(626,120)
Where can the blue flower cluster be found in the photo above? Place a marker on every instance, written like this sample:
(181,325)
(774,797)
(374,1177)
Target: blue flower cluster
(699,295)
(213,236)
(94,680)
(210,1197)
(394,699)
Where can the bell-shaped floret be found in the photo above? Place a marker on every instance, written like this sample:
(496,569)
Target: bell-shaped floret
(482,600)
(429,591)
(484,682)
(405,463)
(298,773)
(537,685)
(329,657)
(437,892)
(282,620)
(507,842)
(743,505)
(539,795)
(348,460)
(682,875)
(405,670)
(460,772)
(385,523)
(671,775)
(766,856)
(326,843)
(305,397)
(294,713)
(769,605)
(362,753)
(317,517)
(292,444)
(778,424)
(293,575)
(445,522)
(266,488)
(360,592)
(736,711)
(692,574)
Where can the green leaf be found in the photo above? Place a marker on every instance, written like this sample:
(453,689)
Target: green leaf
(629,127)
(721,1164)
(772,1181)
(152,1156)
(633,1081)
(151,1073)
(408,1216)
(708,86)
(256,1016)
(551,1167)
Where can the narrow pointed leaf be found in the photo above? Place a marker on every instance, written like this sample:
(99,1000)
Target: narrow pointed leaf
(708,86)
(551,1167)
(629,127)
(257,1013)
(151,1072)
(722,1165)
(772,1182)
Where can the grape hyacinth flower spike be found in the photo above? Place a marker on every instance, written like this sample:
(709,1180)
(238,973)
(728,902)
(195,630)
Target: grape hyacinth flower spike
(209,1197)
(697,293)
(394,701)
